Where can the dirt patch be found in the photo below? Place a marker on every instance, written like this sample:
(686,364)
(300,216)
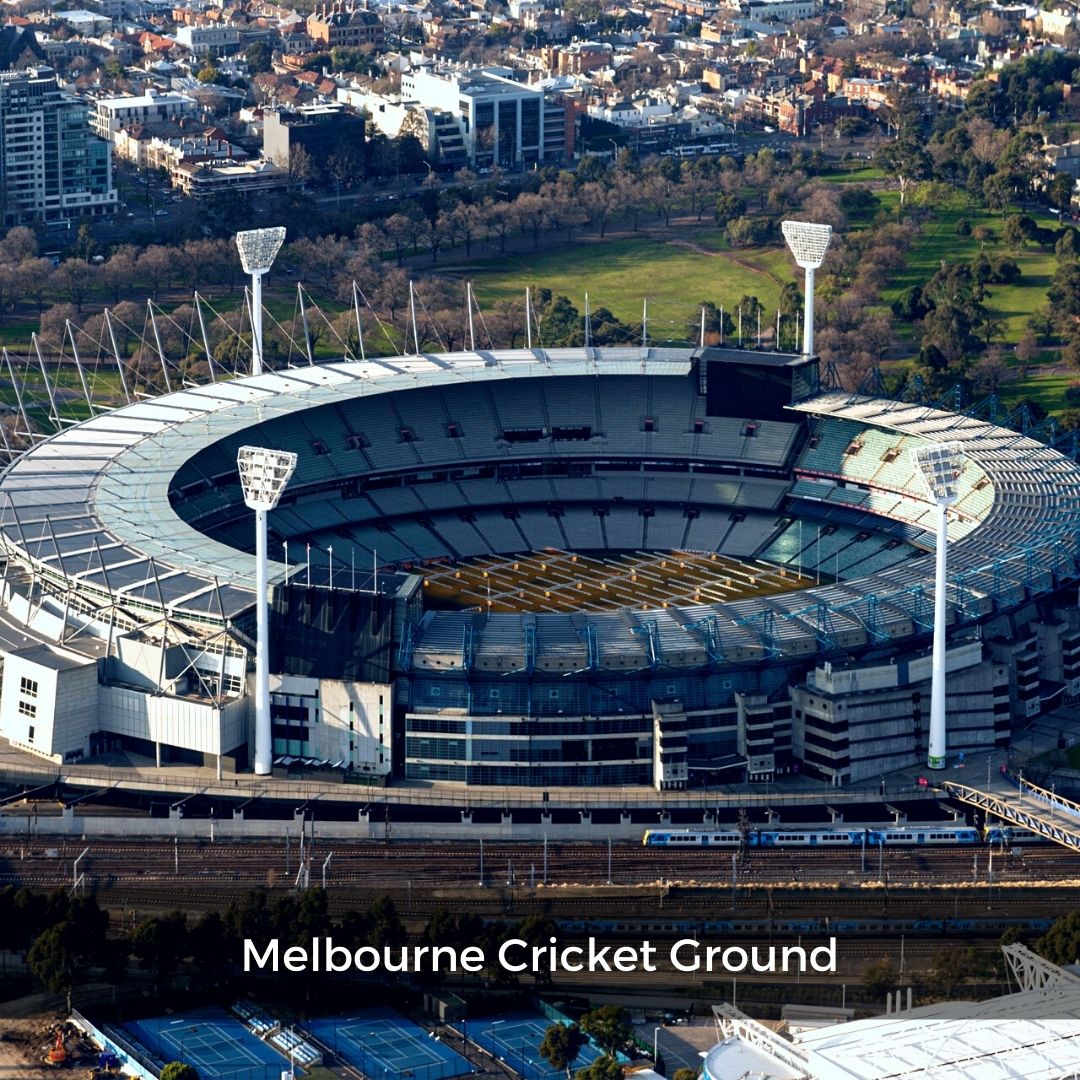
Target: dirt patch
(22,1045)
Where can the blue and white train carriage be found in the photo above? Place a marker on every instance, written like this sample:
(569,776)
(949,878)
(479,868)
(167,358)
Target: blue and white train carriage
(823,837)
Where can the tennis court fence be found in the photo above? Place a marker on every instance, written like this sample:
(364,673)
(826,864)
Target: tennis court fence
(435,1070)
(165,1051)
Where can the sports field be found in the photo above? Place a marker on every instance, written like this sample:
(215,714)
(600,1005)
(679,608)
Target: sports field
(568,581)
(384,1045)
(216,1045)
(516,1038)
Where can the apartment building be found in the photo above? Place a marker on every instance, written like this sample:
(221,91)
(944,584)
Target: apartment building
(52,166)
(347,25)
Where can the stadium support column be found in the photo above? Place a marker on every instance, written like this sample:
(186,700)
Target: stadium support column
(940,466)
(258,249)
(808,243)
(263,476)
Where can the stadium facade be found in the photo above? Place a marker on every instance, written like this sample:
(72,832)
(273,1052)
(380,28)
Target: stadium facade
(128,583)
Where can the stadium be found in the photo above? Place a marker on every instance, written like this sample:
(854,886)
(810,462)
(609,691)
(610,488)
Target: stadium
(548,568)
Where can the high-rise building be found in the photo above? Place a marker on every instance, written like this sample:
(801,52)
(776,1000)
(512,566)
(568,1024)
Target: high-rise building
(52,167)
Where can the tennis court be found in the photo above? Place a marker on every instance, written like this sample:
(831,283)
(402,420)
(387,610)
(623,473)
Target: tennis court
(516,1038)
(384,1045)
(219,1047)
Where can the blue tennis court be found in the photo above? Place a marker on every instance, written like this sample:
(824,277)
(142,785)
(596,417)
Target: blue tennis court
(219,1047)
(516,1038)
(384,1045)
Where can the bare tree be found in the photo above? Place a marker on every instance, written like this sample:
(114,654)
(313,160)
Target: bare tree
(117,274)
(73,277)
(156,266)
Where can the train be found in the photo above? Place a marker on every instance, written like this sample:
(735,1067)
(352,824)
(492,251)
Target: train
(1007,835)
(817,837)
(703,928)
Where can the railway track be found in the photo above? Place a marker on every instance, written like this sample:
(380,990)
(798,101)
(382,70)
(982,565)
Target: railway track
(367,864)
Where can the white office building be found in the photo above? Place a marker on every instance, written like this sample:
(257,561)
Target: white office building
(499,121)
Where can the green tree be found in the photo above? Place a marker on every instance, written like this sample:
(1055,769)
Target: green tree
(911,304)
(718,327)
(880,976)
(179,1070)
(1015,231)
(1064,291)
(259,57)
(312,917)
(906,160)
(1066,248)
(561,1045)
(685,1074)
(609,1027)
(603,1068)
(1070,354)
(387,929)
(53,961)
(207,942)
(728,208)
(160,943)
(591,169)
(1060,191)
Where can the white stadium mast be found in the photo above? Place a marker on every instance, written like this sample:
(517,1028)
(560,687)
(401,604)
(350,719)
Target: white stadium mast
(263,476)
(258,249)
(940,466)
(808,242)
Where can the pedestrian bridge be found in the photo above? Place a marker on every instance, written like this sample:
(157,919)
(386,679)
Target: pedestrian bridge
(1029,807)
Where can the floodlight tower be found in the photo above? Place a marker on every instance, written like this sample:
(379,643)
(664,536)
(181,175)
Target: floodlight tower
(808,243)
(939,465)
(258,249)
(263,476)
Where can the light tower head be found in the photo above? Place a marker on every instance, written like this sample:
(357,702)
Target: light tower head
(940,466)
(259,247)
(263,475)
(807,241)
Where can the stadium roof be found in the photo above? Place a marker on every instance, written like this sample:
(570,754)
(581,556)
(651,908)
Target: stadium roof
(1032,1034)
(90,508)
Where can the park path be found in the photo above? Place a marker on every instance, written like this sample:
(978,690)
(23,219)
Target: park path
(698,249)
